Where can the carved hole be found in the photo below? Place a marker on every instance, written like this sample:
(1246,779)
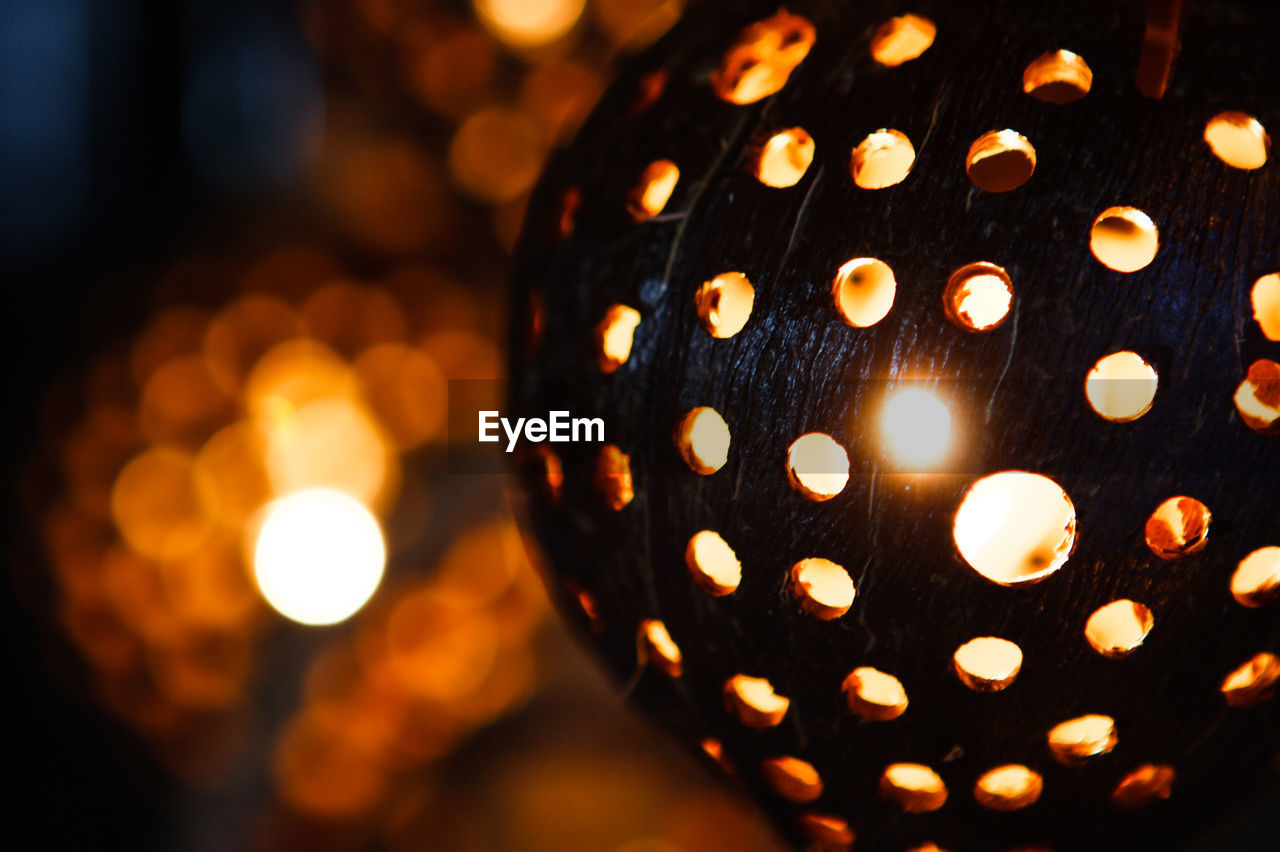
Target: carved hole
(1178,527)
(1118,628)
(1057,77)
(1258,397)
(978,296)
(824,588)
(1121,386)
(1076,740)
(784,158)
(1266,305)
(881,160)
(651,193)
(1144,785)
(817,466)
(987,663)
(659,650)
(874,695)
(724,304)
(792,778)
(914,787)
(713,564)
(703,440)
(761,61)
(613,337)
(1238,140)
(1124,239)
(902,39)
(1000,160)
(863,290)
(1256,581)
(1015,527)
(1252,683)
(1008,788)
(826,833)
(754,702)
(612,477)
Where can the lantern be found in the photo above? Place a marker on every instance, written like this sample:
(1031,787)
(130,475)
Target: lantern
(939,496)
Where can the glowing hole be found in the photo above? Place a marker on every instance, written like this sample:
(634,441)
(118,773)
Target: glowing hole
(1178,527)
(791,778)
(1058,77)
(703,440)
(881,160)
(978,296)
(826,833)
(1118,628)
(902,39)
(1015,527)
(1121,386)
(761,61)
(863,289)
(1238,140)
(724,304)
(824,588)
(917,427)
(612,477)
(1266,305)
(319,556)
(987,663)
(660,651)
(651,193)
(587,604)
(1124,239)
(874,695)
(1000,160)
(1144,785)
(613,337)
(713,564)
(552,474)
(1258,397)
(916,788)
(784,158)
(817,466)
(754,702)
(1075,740)
(1252,683)
(1256,581)
(1008,788)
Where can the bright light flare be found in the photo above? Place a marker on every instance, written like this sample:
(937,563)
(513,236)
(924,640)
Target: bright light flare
(319,556)
(917,427)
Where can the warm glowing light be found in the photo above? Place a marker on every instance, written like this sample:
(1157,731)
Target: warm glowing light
(1121,386)
(784,158)
(874,695)
(761,61)
(1144,785)
(987,663)
(902,39)
(917,427)
(614,335)
(1075,740)
(1008,788)
(1258,397)
(1256,581)
(978,296)
(724,304)
(713,564)
(319,556)
(156,505)
(915,787)
(754,701)
(612,477)
(1238,140)
(703,440)
(1266,305)
(881,160)
(863,290)
(1015,527)
(496,153)
(660,650)
(1118,628)
(824,588)
(792,778)
(331,443)
(817,466)
(1254,682)
(1178,527)
(1000,160)
(529,23)
(1124,239)
(826,833)
(407,391)
(1058,77)
(651,193)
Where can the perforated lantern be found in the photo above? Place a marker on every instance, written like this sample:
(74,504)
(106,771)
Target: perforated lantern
(936,346)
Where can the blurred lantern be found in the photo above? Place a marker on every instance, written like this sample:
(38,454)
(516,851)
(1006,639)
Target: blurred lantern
(981,304)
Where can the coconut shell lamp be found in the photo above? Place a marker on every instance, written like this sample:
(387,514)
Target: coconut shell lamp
(936,346)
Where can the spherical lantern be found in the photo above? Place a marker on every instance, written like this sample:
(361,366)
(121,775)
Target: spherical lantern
(939,493)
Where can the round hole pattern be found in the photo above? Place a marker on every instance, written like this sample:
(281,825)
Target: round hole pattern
(1124,239)
(823,588)
(1118,628)
(902,39)
(826,833)
(792,778)
(703,440)
(987,663)
(1076,740)
(724,304)
(1265,297)
(659,650)
(612,477)
(1257,398)
(817,466)
(1121,387)
(761,60)
(1178,527)
(1252,683)
(1256,581)
(754,702)
(1010,787)
(614,335)
(1015,527)
(1238,139)
(784,158)
(1000,161)
(882,160)
(914,787)
(653,190)
(1057,77)
(713,564)
(874,695)
(1144,785)
(978,296)
(863,290)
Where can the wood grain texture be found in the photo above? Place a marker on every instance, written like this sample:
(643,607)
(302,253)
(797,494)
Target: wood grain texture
(1016,392)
